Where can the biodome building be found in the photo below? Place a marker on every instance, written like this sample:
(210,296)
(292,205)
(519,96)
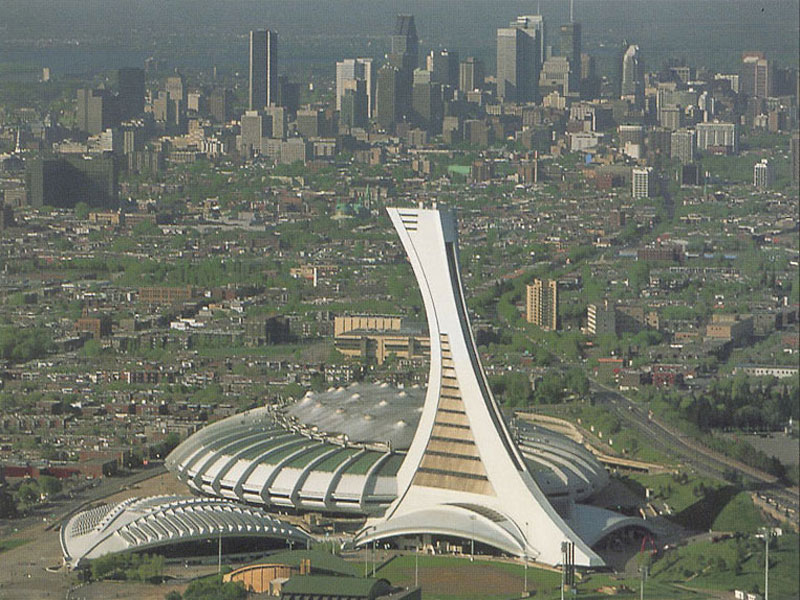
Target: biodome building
(439,461)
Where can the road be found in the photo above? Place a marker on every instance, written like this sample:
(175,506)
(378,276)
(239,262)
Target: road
(679,446)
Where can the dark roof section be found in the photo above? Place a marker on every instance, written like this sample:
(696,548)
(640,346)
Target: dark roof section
(330,587)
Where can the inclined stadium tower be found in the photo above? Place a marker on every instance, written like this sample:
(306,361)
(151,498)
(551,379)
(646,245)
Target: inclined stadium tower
(440,461)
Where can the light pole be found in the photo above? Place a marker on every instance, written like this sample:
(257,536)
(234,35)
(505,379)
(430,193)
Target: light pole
(563,567)
(416,566)
(767,534)
(472,540)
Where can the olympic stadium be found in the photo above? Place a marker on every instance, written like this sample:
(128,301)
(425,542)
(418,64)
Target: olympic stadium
(436,462)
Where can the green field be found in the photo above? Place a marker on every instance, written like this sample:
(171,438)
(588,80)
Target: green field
(11,544)
(456,578)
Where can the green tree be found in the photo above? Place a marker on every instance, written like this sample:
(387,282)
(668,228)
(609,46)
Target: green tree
(82,210)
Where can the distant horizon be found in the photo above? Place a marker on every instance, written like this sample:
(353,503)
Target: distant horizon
(79,36)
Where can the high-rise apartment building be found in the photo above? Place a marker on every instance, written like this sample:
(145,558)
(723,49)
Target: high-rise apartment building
(350,70)
(263,69)
(519,60)
(718,134)
(542,304)
(682,145)
(763,174)
(641,182)
(471,74)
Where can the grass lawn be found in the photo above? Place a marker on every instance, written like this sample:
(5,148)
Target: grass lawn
(11,544)
(711,566)
(740,514)
(455,578)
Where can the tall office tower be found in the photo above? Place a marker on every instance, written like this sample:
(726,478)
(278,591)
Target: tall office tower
(641,182)
(794,148)
(444,67)
(542,304)
(757,76)
(426,103)
(632,85)
(288,94)
(518,61)
(405,43)
(311,123)
(94,111)
(387,107)
(130,84)
(404,57)
(67,180)
(464,475)
(470,74)
(263,69)
(354,106)
(534,23)
(682,145)
(176,88)
(763,174)
(571,49)
(219,105)
(355,69)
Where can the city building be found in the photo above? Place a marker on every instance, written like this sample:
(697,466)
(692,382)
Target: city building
(255,128)
(66,180)
(763,174)
(716,134)
(519,61)
(263,89)
(95,111)
(642,182)
(348,73)
(794,150)
(601,319)
(444,67)
(757,77)
(387,105)
(131,90)
(404,56)
(470,74)
(571,48)
(682,144)
(374,338)
(542,304)
(632,85)
(219,104)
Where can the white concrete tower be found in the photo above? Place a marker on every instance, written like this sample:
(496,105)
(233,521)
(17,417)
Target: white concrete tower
(463,475)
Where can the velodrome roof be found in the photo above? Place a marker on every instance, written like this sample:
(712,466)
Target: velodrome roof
(147,523)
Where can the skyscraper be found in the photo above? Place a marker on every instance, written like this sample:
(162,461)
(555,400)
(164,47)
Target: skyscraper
(131,92)
(632,75)
(405,58)
(351,70)
(444,67)
(519,60)
(470,76)
(757,77)
(570,46)
(263,69)
(387,105)
(542,304)
(682,145)
(763,175)
(95,110)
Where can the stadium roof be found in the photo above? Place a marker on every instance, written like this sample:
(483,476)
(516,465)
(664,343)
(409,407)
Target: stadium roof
(147,523)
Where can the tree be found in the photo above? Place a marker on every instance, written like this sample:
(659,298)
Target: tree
(49,485)
(82,210)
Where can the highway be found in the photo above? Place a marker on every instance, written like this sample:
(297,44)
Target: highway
(674,444)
